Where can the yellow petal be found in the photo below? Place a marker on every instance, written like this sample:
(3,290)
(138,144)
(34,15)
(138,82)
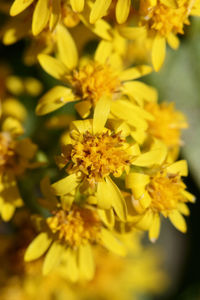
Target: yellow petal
(7,211)
(190,197)
(77,5)
(53,257)
(54,99)
(82,126)
(122,10)
(170,3)
(103,51)
(18,6)
(104,195)
(156,156)
(173,41)
(101,114)
(132,33)
(158,52)
(72,271)
(83,108)
(139,91)
(179,167)
(145,221)
(107,217)
(135,179)
(99,10)
(52,66)
(134,73)
(183,208)
(38,247)
(86,262)
(155,228)
(110,242)
(12,126)
(145,200)
(178,221)
(117,200)
(55,14)
(40,16)
(65,185)
(66,47)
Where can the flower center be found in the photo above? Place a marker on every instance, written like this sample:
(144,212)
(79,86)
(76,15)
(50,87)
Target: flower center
(167,123)
(165,19)
(94,80)
(166,191)
(75,227)
(99,155)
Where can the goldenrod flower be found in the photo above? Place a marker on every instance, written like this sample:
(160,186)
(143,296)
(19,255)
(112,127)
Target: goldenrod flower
(92,79)
(92,153)
(161,21)
(15,156)
(68,237)
(167,123)
(160,192)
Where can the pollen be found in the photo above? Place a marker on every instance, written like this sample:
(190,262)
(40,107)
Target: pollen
(75,227)
(167,123)
(164,19)
(94,80)
(166,191)
(99,155)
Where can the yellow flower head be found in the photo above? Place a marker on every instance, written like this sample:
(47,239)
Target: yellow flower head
(99,155)
(165,17)
(68,237)
(167,123)
(161,21)
(75,227)
(159,192)
(89,80)
(93,80)
(15,156)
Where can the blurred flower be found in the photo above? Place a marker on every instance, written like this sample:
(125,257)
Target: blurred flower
(15,156)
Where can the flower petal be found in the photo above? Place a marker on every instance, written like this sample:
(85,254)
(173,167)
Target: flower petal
(38,247)
(101,114)
(18,6)
(40,16)
(54,99)
(122,10)
(134,73)
(179,167)
(158,52)
(52,258)
(99,10)
(110,242)
(66,47)
(65,185)
(52,66)
(155,228)
(77,5)
(86,262)
(178,221)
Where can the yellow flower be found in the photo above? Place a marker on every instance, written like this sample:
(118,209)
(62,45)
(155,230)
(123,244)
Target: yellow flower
(68,236)
(92,153)
(159,192)
(167,123)
(91,79)
(161,21)
(15,156)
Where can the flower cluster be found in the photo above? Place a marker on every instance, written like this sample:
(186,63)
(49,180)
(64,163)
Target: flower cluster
(106,165)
